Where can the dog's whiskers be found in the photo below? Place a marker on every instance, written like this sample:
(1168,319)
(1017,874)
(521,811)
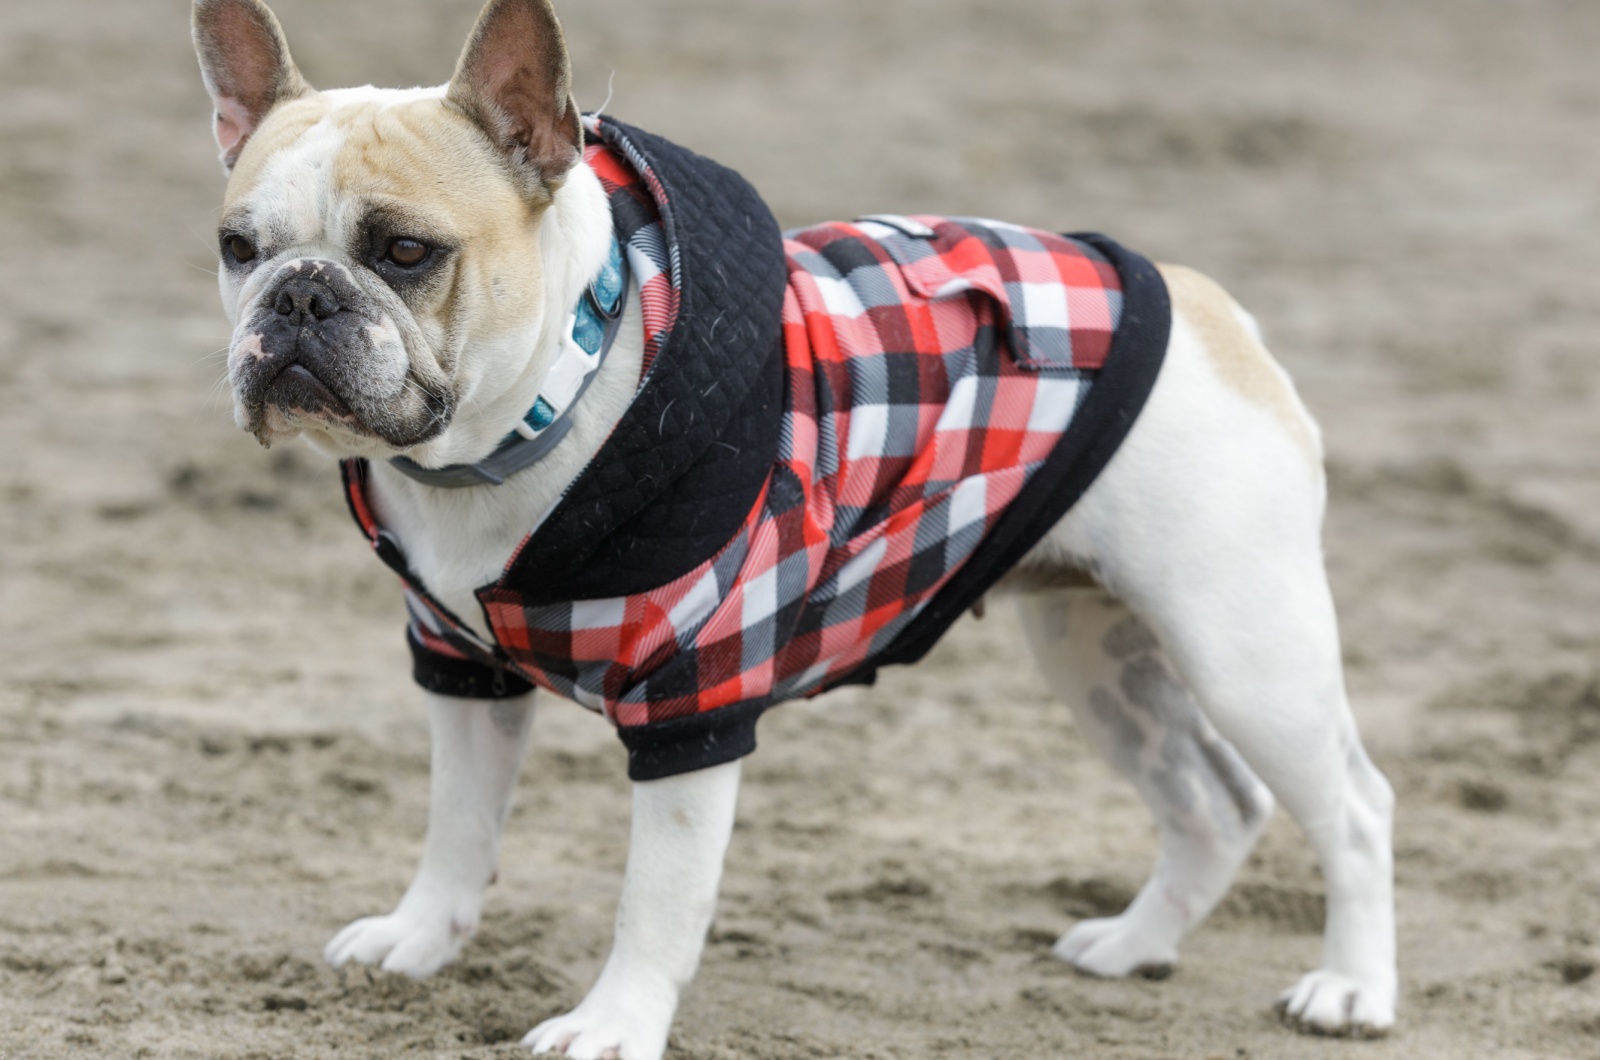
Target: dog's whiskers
(204,357)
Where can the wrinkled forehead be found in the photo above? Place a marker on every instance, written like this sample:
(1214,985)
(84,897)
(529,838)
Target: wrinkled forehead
(320,166)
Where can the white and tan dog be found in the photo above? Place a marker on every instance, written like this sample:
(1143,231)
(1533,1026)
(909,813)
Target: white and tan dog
(436,236)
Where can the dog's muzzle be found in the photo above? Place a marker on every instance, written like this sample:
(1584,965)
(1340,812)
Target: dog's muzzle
(316,348)
(306,335)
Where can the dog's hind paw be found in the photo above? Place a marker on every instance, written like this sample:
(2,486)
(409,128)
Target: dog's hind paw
(1325,1002)
(1116,946)
(602,1029)
(414,942)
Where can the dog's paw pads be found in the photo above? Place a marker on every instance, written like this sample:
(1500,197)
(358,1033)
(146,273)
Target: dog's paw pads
(1329,1003)
(1114,947)
(414,944)
(591,1035)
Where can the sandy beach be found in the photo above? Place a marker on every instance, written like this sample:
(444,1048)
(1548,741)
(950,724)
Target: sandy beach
(211,754)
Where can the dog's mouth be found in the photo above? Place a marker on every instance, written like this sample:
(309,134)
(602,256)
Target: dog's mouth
(297,395)
(298,390)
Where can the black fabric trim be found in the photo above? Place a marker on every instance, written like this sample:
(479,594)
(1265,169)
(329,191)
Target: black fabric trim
(698,741)
(1109,410)
(462,678)
(685,464)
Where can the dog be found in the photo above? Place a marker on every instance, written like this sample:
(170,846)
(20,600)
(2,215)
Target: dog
(543,357)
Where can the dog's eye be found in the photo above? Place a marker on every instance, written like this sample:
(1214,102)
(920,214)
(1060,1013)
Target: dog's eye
(241,248)
(408,253)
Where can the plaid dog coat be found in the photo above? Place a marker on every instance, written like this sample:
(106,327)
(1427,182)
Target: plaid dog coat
(841,439)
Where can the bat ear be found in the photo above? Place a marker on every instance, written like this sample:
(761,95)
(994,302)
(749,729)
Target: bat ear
(245,62)
(515,81)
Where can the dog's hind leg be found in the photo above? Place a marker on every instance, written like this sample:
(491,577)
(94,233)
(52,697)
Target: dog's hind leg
(1208,525)
(477,747)
(1208,806)
(1260,650)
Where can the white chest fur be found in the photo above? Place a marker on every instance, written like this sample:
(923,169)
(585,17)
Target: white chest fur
(458,540)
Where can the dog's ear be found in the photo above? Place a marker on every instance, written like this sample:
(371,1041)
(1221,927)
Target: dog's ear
(245,62)
(515,81)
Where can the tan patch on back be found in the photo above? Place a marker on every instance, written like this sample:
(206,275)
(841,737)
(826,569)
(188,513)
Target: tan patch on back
(1239,357)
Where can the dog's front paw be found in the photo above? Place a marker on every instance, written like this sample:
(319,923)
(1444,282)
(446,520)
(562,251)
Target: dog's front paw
(604,1028)
(1325,1002)
(415,941)
(1115,946)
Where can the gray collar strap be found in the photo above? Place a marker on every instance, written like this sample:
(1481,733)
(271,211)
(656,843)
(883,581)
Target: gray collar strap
(592,326)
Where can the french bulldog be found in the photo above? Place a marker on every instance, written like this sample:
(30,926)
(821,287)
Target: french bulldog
(401,269)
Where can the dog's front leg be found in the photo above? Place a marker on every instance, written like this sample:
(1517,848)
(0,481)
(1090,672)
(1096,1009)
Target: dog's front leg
(680,833)
(477,748)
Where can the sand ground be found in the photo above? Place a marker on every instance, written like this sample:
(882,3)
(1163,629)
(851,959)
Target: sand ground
(210,754)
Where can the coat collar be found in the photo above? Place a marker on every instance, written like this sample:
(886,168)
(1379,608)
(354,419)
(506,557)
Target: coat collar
(677,476)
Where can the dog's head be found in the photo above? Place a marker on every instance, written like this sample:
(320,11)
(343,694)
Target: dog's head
(380,248)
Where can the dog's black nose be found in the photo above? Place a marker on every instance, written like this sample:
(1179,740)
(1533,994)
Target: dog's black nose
(303,299)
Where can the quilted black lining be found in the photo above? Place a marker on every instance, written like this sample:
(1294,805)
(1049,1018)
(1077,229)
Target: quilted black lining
(685,464)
